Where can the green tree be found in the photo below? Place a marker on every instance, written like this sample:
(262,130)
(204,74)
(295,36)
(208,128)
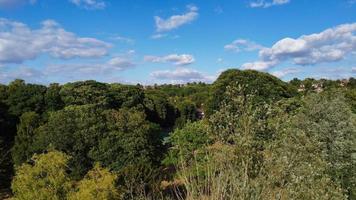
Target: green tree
(22,149)
(130,140)
(264,86)
(132,148)
(187,111)
(25,98)
(125,96)
(186,141)
(45,179)
(53,98)
(294,168)
(98,184)
(84,92)
(328,118)
(158,109)
(74,130)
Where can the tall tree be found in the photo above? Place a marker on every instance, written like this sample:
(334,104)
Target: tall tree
(23,147)
(25,98)
(74,130)
(53,98)
(264,86)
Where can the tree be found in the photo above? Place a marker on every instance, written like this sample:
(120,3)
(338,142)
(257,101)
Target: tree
(185,141)
(98,184)
(89,134)
(125,96)
(264,86)
(74,130)
(7,134)
(22,149)
(294,168)
(227,167)
(84,92)
(132,148)
(45,179)
(329,119)
(53,98)
(25,98)
(187,111)
(130,140)
(250,159)
(158,109)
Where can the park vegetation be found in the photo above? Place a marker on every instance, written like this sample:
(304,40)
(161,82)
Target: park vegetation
(249,135)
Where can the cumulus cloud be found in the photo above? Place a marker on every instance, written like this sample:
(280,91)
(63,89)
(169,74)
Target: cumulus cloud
(267,4)
(176,21)
(89,4)
(183,59)
(15,3)
(284,72)
(259,65)
(120,63)
(26,73)
(330,45)
(19,43)
(243,45)
(182,75)
(115,64)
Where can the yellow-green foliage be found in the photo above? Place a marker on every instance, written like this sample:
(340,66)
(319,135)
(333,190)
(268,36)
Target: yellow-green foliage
(43,180)
(98,184)
(46,179)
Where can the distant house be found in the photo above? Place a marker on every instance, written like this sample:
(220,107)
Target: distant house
(301,88)
(318,87)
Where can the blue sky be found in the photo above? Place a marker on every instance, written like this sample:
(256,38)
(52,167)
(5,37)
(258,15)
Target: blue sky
(174,41)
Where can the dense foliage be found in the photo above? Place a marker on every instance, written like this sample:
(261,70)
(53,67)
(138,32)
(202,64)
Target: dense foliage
(248,135)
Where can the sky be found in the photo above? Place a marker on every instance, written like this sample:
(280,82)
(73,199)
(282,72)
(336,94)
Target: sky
(174,41)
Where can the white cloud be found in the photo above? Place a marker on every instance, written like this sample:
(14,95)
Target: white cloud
(259,65)
(267,3)
(243,45)
(115,64)
(19,43)
(330,45)
(183,59)
(158,36)
(176,21)
(284,72)
(26,73)
(15,3)
(89,4)
(182,75)
(123,39)
(120,63)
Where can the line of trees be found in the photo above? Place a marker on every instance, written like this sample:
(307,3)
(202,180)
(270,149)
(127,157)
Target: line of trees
(260,138)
